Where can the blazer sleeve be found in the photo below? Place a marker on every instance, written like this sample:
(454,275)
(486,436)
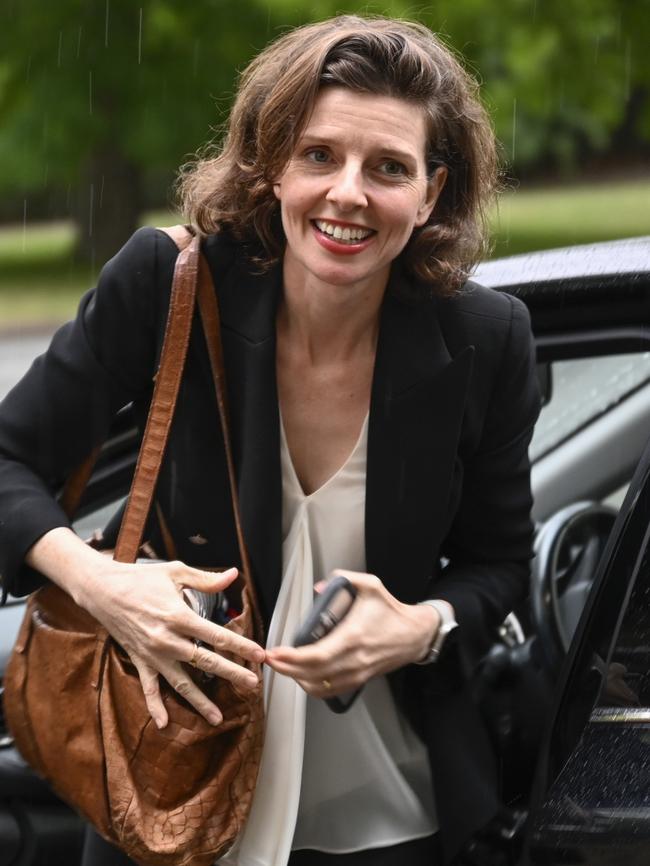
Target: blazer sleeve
(489,544)
(63,406)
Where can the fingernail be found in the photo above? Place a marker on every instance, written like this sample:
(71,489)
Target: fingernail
(215,718)
(160,723)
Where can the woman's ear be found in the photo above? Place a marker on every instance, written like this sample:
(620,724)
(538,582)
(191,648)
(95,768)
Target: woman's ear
(276,190)
(435,185)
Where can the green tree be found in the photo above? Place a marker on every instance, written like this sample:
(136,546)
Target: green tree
(100,100)
(563,79)
(103,98)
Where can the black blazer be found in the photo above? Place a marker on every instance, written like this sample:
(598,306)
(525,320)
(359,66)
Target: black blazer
(454,400)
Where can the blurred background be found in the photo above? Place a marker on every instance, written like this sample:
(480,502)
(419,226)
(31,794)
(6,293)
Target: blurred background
(102,100)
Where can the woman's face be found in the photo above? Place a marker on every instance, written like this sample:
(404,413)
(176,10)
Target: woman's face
(355,188)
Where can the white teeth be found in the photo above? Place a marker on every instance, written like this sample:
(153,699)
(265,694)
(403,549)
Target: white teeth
(345,235)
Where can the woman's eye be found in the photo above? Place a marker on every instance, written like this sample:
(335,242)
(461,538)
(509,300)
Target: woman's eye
(393,168)
(320,157)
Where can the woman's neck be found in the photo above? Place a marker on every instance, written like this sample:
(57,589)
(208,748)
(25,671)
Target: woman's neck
(329,323)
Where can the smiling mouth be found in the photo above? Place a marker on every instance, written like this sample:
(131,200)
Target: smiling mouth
(343,234)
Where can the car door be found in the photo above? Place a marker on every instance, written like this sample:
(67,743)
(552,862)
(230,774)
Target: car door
(591,800)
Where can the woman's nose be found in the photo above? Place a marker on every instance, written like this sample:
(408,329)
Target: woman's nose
(347,189)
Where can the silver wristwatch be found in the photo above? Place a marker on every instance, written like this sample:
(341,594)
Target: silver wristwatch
(447,625)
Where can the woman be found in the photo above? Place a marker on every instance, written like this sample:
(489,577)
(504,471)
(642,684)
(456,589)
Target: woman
(381,412)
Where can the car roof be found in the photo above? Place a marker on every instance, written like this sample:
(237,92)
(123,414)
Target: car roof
(607,261)
(600,284)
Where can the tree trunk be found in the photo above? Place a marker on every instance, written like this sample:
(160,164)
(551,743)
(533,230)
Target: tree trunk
(628,138)
(109,203)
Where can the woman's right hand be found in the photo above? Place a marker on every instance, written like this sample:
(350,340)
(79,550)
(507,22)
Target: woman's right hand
(142,608)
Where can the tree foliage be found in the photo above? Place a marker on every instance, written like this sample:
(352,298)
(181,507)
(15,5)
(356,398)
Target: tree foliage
(100,100)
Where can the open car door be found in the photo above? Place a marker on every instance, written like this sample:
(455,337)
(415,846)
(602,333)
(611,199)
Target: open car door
(591,800)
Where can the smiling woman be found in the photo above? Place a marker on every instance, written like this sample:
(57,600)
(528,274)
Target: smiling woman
(381,407)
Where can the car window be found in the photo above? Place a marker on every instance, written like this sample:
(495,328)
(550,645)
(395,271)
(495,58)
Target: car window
(95,521)
(626,686)
(584,389)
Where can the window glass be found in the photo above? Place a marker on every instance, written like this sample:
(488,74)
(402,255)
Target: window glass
(627,681)
(583,389)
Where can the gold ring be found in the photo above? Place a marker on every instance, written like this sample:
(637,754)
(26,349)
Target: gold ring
(195,653)
(327,684)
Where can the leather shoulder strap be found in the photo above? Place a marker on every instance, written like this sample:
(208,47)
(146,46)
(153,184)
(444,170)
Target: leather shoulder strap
(210,319)
(163,403)
(191,271)
(76,482)
(181,235)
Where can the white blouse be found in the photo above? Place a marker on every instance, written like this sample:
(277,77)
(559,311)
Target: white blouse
(335,783)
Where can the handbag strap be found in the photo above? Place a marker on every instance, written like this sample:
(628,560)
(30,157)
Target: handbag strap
(211,321)
(191,275)
(181,302)
(163,402)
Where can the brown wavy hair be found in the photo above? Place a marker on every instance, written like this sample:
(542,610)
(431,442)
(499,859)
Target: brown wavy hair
(231,186)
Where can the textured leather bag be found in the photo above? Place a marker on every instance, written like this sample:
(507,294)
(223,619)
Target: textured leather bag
(73,700)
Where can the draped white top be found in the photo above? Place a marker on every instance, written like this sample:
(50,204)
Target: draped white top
(335,783)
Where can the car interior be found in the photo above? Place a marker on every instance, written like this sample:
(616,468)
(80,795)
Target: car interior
(591,433)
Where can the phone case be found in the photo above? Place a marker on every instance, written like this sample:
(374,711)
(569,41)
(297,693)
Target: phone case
(330,607)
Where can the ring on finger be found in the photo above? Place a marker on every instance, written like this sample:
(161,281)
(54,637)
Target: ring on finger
(327,684)
(195,654)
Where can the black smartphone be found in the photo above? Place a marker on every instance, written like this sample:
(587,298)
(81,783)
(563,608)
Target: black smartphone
(330,607)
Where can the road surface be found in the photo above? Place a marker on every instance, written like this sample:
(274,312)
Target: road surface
(17,351)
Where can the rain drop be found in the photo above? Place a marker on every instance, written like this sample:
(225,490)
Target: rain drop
(628,69)
(195,58)
(140,39)
(91,205)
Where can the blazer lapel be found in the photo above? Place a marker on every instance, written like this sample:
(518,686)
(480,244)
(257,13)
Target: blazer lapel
(417,405)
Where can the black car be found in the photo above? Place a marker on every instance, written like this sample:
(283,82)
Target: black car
(566,688)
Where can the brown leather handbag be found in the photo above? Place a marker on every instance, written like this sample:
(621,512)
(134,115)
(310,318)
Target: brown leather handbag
(73,700)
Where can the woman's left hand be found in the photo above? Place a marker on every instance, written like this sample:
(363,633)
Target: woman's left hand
(378,635)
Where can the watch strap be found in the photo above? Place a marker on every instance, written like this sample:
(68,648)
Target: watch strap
(447,625)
